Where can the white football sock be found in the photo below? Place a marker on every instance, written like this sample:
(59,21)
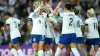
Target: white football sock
(58,52)
(20,52)
(75,51)
(40,53)
(51,52)
(48,53)
(14,52)
(45,53)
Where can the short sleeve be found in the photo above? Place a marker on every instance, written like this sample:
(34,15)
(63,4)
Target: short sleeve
(7,22)
(86,22)
(61,14)
(30,15)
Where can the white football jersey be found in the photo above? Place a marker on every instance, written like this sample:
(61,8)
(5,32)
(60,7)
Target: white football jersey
(78,24)
(49,30)
(57,37)
(14,28)
(31,15)
(38,27)
(68,22)
(92,28)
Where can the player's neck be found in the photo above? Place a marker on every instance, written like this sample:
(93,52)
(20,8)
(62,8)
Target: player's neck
(68,11)
(90,17)
(8,17)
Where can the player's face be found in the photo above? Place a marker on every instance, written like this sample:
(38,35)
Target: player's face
(40,11)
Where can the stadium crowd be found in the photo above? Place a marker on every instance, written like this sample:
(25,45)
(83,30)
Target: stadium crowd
(22,8)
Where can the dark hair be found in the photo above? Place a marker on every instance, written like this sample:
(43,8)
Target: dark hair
(76,11)
(68,6)
(9,14)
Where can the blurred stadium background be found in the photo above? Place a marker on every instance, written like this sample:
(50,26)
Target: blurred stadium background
(22,8)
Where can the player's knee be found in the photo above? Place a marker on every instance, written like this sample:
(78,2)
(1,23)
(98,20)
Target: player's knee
(88,48)
(41,45)
(80,47)
(16,47)
(60,46)
(73,45)
(96,48)
(35,46)
(52,46)
(46,47)
(10,47)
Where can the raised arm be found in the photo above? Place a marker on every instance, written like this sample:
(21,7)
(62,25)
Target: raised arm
(56,9)
(36,10)
(21,24)
(50,8)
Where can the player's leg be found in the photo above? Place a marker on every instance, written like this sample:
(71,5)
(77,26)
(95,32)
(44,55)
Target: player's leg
(74,49)
(13,51)
(80,45)
(41,45)
(16,46)
(88,46)
(96,46)
(59,48)
(52,45)
(68,50)
(47,48)
(81,49)
(61,44)
(73,44)
(88,50)
(35,48)
(35,44)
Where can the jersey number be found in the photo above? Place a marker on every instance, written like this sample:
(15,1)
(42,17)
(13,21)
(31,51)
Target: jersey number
(40,21)
(71,20)
(78,24)
(15,24)
(95,26)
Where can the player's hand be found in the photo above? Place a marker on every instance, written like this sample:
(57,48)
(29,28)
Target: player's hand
(42,3)
(60,3)
(48,5)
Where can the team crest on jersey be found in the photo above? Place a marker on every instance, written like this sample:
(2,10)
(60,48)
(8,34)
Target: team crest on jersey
(34,39)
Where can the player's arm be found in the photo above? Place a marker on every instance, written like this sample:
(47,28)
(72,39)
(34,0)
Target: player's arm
(85,29)
(37,9)
(50,8)
(29,23)
(56,9)
(7,25)
(21,24)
